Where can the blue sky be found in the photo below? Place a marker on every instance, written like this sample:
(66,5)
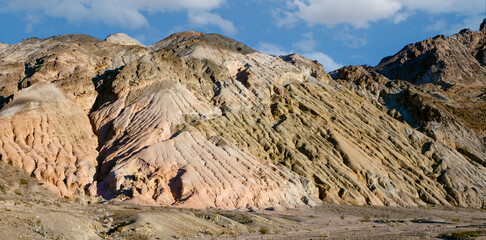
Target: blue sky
(335,32)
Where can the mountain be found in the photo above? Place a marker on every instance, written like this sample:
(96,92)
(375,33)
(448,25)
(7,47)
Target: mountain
(201,120)
(444,61)
(446,97)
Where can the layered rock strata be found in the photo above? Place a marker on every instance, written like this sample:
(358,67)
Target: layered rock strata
(200,120)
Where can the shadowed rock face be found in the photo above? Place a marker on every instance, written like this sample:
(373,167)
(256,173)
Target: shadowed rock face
(445,61)
(200,120)
(449,109)
(446,98)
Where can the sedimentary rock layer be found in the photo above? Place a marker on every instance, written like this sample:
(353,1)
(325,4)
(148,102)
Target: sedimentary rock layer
(201,120)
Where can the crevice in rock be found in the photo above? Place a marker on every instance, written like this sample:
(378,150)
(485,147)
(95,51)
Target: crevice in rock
(243,75)
(103,86)
(30,68)
(176,187)
(453,196)
(5,100)
(282,119)
(473,158)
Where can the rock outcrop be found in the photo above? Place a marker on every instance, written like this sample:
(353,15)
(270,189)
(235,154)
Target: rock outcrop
(200,120)
(446,98)
(450,108)
(444,61)
(151,137)
(3,45)
(48,89)
(123,39)
(44,133)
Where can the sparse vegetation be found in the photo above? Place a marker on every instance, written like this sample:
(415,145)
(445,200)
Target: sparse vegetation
(324,235)
(243,218)
(366,218)
(23,181)
(139,236)
(263,230)
(459,235)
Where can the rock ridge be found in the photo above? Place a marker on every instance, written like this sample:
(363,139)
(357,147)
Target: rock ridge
(200,120)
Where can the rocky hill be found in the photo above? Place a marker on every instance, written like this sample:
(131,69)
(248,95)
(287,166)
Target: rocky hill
(200,120)
(446,97)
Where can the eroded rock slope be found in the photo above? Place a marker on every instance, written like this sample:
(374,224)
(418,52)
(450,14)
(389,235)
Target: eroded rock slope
(446,97)
(200,120)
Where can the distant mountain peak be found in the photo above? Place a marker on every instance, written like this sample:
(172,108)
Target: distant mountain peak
(446,61)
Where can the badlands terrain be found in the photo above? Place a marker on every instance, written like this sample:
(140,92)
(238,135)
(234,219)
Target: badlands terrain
(200,136)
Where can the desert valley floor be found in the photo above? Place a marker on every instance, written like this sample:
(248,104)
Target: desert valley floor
(29,211)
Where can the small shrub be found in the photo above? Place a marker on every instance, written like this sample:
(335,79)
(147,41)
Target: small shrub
(366,218)
(461,235)
(342,217)
(141,236)
(23,181)
(263,230)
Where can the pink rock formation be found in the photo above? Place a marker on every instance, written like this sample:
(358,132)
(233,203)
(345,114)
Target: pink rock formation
(44,133)
(200,120)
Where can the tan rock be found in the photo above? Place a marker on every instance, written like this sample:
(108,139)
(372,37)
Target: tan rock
(123,39)
(201,120)
(45,134)
(3,45)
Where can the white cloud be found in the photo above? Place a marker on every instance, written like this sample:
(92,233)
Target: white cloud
(125,13)
(333,12)
(32,20)
(402,16)
(271,48)
(348,39)
(464,7)
(437,26)
(308,48)
(360,14)
(307,44)
(310,52)
(203,18)
(326,61)
(471,22)
(288,20)
(441,26)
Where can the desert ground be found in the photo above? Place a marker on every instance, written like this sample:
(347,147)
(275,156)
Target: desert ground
(29,211)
